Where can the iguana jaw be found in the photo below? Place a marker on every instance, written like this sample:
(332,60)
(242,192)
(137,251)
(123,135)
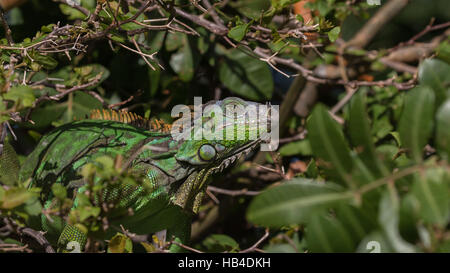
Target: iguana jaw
(190,193)
(207,156)
(241,151)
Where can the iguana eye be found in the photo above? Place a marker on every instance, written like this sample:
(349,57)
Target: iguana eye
(207,152)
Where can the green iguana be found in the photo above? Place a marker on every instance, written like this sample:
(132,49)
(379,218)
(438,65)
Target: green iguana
(176,169)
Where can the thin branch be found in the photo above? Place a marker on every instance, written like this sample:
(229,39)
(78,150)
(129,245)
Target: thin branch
(5,25)
(426,30)
(39,237)
(255,246)
(214,28)
(374,25)
(233,192)
(186,247)
(211,11)
(121,103)
(300,136)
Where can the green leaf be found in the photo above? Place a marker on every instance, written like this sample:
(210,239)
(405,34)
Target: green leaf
(409,217)
(434,73)
(182,62)
(154,77)
(251,9)
(14,197)
(81,106)
(327,234)
(388,219)
(312,170)
(328,143)
(120,244)
(83,74)
(106,161)
(46,61)
(22,94)
(246,76)
(59,191)
(381,127)
(360,135)
(416,121)
(9,165)
(443,130)
(44,116)
(149,248)
(89,72)
(444,247)
(238,32)
(396,136)
(299,17)
(33,206)
(174,41)
(301,147)
(334,34)
(280,248)
(220,243)
(443,51)
(71,12)
(323,7)
(433,195)
(293,202)
(87,211)
(357,221)
(15,17)
(47,28)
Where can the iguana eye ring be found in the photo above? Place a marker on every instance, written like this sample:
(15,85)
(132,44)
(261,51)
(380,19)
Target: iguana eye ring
(207,152)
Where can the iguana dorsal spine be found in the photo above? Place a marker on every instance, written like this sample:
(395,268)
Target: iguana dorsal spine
(131,118)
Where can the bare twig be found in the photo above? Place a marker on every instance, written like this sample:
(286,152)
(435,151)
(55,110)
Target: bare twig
(38,236)
(255,246)
(121,103)
(14,248)
(426,30)
(186,247)
(214,28)
(371,28)
(6,28)
(211,10)
(233,192)
(300,136)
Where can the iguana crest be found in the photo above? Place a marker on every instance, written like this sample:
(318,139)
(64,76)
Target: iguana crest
(131,118)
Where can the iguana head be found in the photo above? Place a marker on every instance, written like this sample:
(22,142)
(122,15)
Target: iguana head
(227,130)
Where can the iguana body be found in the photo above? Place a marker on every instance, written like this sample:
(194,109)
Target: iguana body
(175,169)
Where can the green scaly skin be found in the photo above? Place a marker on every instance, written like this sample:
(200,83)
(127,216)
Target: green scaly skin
(174,167)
